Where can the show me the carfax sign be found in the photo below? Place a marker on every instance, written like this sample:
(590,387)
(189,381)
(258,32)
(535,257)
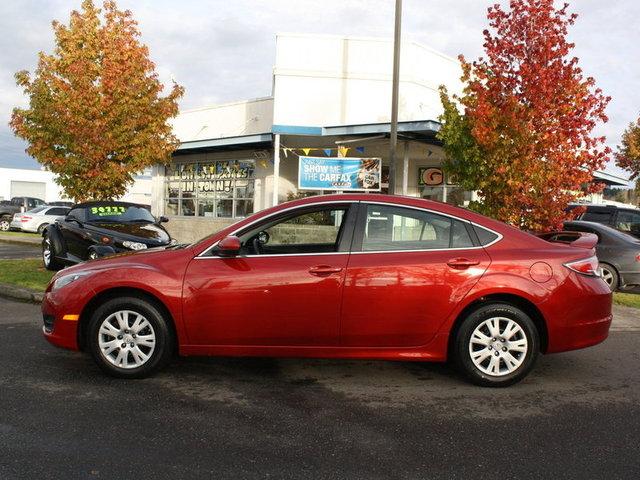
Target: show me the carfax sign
(354,174)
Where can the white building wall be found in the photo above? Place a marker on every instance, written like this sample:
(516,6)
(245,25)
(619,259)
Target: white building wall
(138,192)
(322,80)
(227,120)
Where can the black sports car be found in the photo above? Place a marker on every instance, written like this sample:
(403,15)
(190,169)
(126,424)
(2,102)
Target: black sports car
(96,229)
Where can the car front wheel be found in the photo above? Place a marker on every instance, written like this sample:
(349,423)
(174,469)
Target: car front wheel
(49,255)
(129,337)
(5,224)
(496,345)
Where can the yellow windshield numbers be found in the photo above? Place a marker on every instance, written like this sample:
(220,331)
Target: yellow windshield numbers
(108,210)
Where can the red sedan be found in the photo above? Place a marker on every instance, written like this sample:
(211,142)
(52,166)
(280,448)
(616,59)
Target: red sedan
(339,276)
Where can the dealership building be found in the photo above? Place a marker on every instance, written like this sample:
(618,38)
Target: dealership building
(329,111)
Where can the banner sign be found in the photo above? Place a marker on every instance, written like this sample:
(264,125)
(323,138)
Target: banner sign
(354,174)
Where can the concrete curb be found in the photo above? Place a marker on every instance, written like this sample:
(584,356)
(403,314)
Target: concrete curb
(20,241)
(20,293)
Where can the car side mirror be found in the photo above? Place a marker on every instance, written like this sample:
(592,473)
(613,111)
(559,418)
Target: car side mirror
(72,218)
(163,219)
(229,246)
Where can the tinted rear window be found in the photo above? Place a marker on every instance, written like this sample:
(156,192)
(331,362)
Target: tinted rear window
(485,236)
(598,217)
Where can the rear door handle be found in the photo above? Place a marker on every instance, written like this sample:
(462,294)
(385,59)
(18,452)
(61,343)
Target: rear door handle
(324,270)
(462,263)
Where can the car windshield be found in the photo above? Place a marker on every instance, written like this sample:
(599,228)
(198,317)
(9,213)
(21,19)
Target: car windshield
(119,213)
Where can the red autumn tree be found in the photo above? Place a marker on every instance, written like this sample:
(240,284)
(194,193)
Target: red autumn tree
(524,139)
(96,113)
(628,154)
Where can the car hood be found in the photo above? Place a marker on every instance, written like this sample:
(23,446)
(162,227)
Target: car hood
(145,232)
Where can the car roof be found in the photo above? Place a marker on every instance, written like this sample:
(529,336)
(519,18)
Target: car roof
(98,203)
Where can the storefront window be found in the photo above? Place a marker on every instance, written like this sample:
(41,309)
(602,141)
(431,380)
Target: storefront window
(221,189)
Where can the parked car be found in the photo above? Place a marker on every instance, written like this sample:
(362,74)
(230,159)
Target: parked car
(339,276)
(16,205)
(618,253)
(37,219)
(96,229)
(626,220)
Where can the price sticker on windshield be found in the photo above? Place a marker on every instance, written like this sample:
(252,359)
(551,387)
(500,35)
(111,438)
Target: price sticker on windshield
(108,210)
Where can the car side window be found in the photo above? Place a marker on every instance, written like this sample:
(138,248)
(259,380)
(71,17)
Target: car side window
(597,216)
(396,228)
(628,221)
(57,211)
(313,231)
(78,213)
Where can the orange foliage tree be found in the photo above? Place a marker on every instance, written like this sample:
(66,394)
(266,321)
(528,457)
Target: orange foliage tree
(96,113)
(524,138)
(628,154)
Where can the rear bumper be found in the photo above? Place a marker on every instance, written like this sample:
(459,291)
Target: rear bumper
(579,314)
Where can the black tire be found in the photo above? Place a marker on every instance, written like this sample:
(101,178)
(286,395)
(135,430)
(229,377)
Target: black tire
(50,261)
(42,227)
(5,223)
(503,377)
(610,276)
(163,346)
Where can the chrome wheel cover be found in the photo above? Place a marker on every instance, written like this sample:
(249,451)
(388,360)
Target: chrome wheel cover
(126,339)
(5,225)
(46,252)
(498,346)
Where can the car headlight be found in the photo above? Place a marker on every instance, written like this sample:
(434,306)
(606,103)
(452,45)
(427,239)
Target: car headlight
(133,245)
(65,280)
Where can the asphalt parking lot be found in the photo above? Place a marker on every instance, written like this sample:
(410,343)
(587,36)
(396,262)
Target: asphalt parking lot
(15,250)
(576,416)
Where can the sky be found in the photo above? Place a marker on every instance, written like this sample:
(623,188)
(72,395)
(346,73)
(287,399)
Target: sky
(224,50)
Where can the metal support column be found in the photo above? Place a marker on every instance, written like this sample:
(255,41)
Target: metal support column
(276,167)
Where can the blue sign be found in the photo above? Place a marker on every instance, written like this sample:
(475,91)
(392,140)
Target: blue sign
(354,174)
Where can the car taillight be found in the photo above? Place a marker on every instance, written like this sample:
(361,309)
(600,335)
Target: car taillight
(586,266)
(25,218)
(638,257)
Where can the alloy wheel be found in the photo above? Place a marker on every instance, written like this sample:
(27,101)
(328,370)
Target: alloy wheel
(4,225)
(46,252)
(498,346)
(126,339)
(607,276)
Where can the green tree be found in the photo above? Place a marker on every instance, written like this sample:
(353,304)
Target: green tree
(628,154)
(96,113)
(523,139)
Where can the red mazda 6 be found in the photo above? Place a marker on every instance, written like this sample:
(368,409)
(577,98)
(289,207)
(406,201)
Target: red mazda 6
(339,276)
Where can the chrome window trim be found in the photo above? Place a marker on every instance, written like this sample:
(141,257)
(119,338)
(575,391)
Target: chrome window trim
(413,207)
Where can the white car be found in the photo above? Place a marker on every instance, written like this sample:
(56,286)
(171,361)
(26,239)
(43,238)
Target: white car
(37,219)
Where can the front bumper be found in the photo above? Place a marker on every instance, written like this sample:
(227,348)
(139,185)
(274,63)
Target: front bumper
(61,317)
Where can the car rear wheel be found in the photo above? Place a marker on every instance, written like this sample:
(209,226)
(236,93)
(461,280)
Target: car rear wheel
(610,276)
(49,255)
(496,345)
(42,227)
(129,337)
(5,224)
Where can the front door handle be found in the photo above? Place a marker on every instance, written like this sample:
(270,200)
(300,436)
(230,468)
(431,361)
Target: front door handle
(324,270)
(462,263)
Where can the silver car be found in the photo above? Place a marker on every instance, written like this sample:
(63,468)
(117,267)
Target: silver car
(37,219)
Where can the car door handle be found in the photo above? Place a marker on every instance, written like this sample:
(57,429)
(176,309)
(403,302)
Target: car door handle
(324,270)
(462,263)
